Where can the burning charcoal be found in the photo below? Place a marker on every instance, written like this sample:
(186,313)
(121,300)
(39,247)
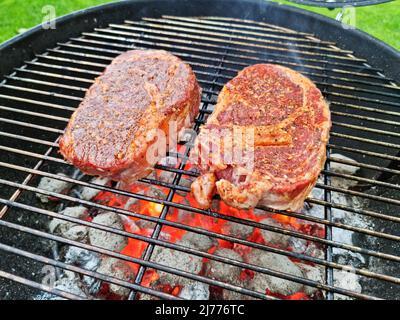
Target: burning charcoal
(259,212)
(184,182)
(166,176)
(175,259)
(77,233)
(313,251)
(53,185)
(70,282)
(315,273)
(145,296)
(298,245)
(87,260)
(237,230)
(341,167)
(68,229)
(274,238)
(89,193)
(81,257)
(108,240)
(132,201)
(261,282)
(233,295)
(195,291)
(223,271)
(118,269)
(199,241)
(156,193)
(145,224)
(347,280)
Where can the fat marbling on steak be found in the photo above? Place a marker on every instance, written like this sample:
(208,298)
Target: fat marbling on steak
(117,122)
(288,121)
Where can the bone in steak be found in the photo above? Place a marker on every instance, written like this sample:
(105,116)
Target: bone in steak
(140,92)
(287,149)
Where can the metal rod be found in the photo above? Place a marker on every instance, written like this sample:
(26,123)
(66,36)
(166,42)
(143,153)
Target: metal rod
(82,271)
(180,248)
(198,35)
(132,259)
(196,28)
(39,286)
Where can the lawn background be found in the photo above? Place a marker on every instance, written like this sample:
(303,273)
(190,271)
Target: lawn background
(381,21)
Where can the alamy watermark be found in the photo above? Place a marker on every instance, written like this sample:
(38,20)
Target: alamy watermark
(49,17)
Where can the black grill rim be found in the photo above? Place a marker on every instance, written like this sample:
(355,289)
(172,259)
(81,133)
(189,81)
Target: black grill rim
(339,3)
(23,47)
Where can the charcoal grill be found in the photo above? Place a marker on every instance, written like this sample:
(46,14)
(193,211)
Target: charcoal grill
(339,3)
(47,72)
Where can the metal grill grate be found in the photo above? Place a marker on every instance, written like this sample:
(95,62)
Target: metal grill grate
(37,100)
(339,3)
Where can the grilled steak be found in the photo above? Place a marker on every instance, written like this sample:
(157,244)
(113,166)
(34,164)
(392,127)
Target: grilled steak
(282,124)
(119,119)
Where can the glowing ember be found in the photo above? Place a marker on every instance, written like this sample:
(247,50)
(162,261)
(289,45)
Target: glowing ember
(136,248)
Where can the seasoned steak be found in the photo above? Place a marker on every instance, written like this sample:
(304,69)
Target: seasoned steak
(283,123)
(118,122)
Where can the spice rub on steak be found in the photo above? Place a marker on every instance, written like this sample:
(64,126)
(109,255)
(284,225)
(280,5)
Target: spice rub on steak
(140,92)
(284,123)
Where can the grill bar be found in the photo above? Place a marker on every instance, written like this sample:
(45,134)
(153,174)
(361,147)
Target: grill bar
(194,28)
(322,186)
(221,216)
(224,68)
(115,52)
(39,286)
(164,244)
(96,275)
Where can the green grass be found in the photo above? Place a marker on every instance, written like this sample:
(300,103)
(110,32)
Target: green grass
(381,21)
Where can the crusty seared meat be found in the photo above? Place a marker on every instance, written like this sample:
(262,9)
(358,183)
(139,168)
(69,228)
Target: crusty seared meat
(115,125)
(291,122)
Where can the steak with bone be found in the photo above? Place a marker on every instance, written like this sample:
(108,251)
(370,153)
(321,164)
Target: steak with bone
(139,93)
(265,142)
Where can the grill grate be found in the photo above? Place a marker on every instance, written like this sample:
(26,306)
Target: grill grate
(339,3)
(44,92)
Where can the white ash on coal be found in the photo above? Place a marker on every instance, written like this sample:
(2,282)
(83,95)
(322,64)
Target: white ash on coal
(70,282)
(277,239)
(155,193)
(88,193)
(195,291)
(344,169)
(87,260)
(237,230)
(185,182)
(262,282)
(313,250)
(178,260)
(52,185)
(120,270)
(199,241)
(223,271)
(145,224)
(342,279)
(234,295)
(347,280)
(104,239)
(315,273)
(68,229)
